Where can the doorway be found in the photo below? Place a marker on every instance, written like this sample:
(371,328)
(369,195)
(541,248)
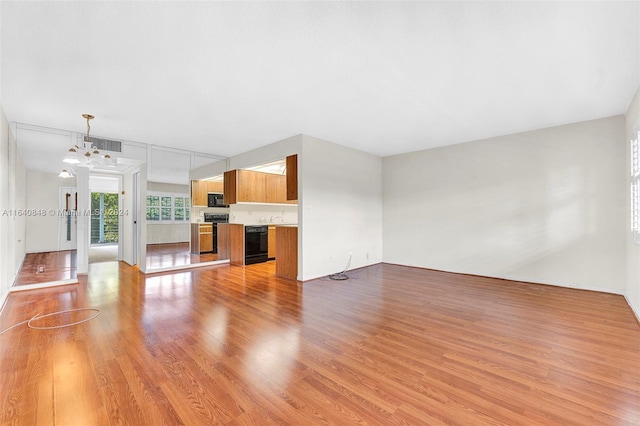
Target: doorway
(104,235)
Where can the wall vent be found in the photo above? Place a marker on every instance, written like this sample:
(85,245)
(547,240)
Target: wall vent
(104,144)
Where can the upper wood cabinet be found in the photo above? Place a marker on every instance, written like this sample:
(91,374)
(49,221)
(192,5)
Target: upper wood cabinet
(200,189)
(252,187)
(292,177)
(199,193)
(229,196)
(277,190)
(247,186)
(216,187)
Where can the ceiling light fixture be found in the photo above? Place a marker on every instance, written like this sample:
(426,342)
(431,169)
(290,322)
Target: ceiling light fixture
(65,174)
(88,153)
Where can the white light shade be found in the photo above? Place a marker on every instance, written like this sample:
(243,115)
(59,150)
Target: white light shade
(65,174)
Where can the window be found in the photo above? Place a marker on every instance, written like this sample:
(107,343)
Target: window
(635,187)
(181,209)
(165,211)
(163,208)
(153,208)
(104,218)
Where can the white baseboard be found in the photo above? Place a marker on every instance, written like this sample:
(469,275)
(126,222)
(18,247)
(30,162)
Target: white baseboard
(184,267)
(42,285)
(3,303)
(636,313)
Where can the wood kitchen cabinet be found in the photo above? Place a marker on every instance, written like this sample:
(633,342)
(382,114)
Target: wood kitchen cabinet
(252,187)
(236,244)
(271,247)
(200,190)
(274,188)
(287,251)
(201,238)
(292,177)
(199,193)
(206,238)
(223,241)
(230,193)
(277,193)
(215,187)
(247,186)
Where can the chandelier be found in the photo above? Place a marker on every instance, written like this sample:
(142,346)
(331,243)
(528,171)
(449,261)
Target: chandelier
(88,154)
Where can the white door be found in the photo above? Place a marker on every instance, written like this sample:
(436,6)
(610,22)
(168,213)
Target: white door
(135,216)
(67,218)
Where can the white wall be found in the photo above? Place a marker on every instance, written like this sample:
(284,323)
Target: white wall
(12,199)
(339,203)
(210,170)
(267,154)
(142,219)
(83,222)
(169,187)
(632,122)
(546,206)
(19,225)
(166,233)
(341,208)
(43,191)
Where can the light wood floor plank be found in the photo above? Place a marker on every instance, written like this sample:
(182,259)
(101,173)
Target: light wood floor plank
(392,345)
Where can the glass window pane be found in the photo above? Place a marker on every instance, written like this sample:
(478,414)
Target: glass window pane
(179,214)
(187,202)
(187,214)
(166,213)
(166,201)
(153,200)
(179,202)
(153,213)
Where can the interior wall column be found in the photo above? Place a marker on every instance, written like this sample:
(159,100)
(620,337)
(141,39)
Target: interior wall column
(83,230)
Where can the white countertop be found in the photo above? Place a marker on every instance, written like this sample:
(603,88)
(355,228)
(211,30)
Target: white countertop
(266,224)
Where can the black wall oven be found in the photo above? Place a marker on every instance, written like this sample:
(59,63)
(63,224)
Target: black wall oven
(256,244)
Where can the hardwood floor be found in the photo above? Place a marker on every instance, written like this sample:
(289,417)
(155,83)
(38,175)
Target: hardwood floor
(47,266)
(174,254)
(103,253)
(38,268)
(392,345)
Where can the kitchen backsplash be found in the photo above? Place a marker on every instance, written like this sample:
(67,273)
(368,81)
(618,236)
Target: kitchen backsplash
(254,214)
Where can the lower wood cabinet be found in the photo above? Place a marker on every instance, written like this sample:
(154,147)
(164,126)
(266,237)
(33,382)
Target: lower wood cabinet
(287,251)
(201,238)
(236,244)
(206,238)
(271,234)
(223,241)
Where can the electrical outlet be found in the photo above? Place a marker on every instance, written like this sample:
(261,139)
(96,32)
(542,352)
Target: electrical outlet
(367,256)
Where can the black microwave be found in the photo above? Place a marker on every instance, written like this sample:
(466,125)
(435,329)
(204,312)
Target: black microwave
(215,200)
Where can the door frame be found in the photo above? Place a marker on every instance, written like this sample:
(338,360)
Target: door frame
(119,177)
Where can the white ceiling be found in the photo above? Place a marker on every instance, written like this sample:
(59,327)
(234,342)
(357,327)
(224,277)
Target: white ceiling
(382,77)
